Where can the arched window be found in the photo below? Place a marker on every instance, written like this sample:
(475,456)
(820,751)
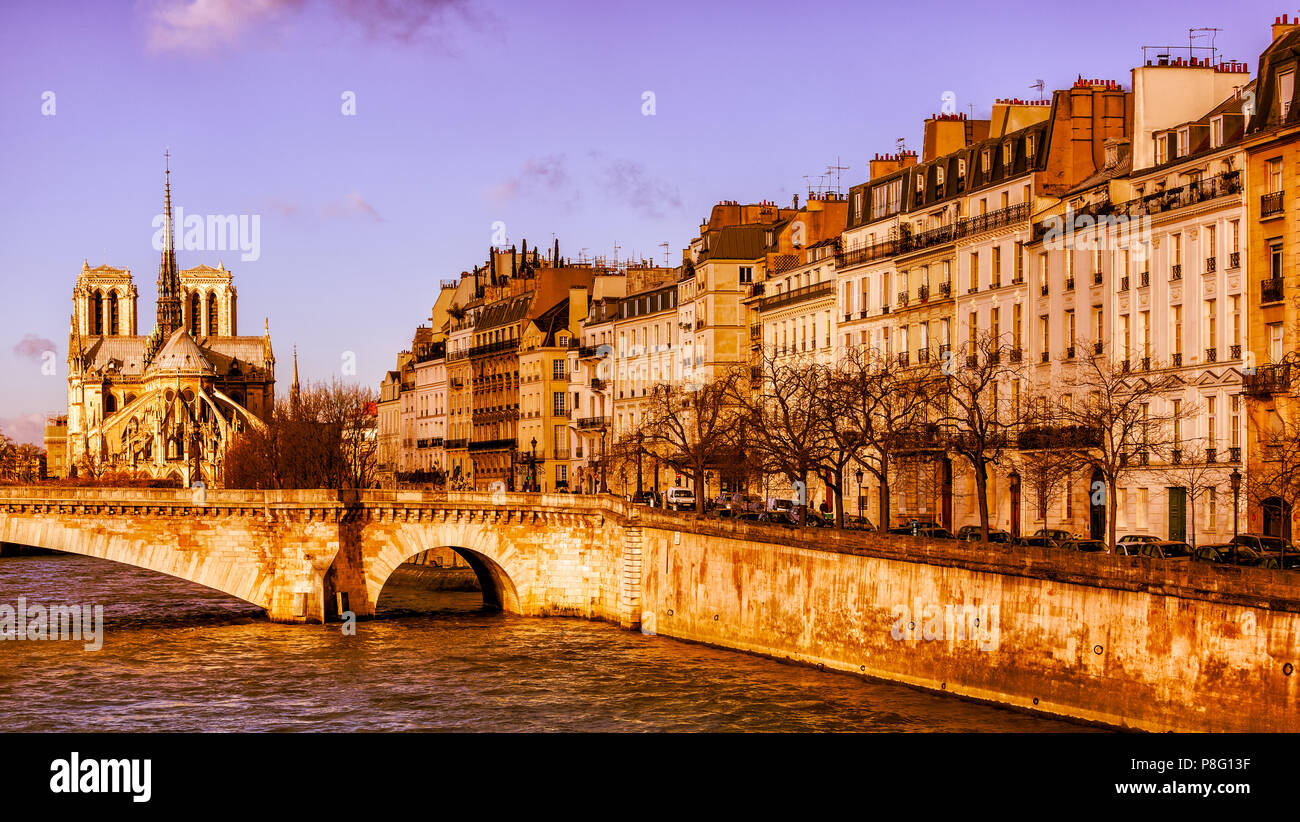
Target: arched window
(97,313)
(212,314)
(110,403)
(196,312)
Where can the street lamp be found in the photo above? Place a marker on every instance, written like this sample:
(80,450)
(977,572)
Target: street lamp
(1234,479)
(534,465)
(858,476)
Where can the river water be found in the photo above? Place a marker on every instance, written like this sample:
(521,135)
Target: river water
(180,657)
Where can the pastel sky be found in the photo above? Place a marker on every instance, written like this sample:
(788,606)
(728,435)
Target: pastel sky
(468,112)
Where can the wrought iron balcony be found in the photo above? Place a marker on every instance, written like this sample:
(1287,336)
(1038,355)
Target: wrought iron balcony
(1098,347)
(1069,352)
(1234,454)
(1016,355)
(923,293)
(1123,283)
(1211,355)
(1069,283)
(1176,271)
(1177,359)
(1270,204)
(1267,379)
(945,289)
(593,422)
(1211,264)
(1096,278)
(1043,289)
(1144,279)
(1177,456)
(1047,356)
(1234,260)
(1271,290)
(1211,455)
(902,358)
(598,384)
(922,355)
(796,295)
(1234,351)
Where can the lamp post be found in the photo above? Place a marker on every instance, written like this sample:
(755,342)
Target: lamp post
(858,476)
(534,465)
(1234,479)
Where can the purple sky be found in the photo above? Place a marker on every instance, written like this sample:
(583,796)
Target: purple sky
(468,113)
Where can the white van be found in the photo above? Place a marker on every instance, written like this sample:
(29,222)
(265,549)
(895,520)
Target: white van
(680,499)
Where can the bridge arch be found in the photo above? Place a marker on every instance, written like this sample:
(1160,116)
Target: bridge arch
(241,578)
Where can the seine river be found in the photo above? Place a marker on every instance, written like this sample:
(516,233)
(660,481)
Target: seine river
(178,657)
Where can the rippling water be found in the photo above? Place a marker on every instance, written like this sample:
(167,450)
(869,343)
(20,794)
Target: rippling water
(179,657)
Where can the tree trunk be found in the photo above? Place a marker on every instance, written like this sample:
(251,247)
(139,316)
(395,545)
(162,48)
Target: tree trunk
(981,491)
(839,497)
(1111,510)
(883,525)
(699,491)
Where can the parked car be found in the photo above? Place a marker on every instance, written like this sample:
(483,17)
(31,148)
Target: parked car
(680,499)
(994,536)
(966,530)
(1170,550)
(858,524)
(1127,538)
(923,529)
(1132,548)
(1038,542)
(646,498)
(1087,546)
(1284,553)
(1057,534)
(785,506)
(1231,554)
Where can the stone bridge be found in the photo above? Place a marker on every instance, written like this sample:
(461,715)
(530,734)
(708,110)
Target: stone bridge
(308,556)
(1124,641)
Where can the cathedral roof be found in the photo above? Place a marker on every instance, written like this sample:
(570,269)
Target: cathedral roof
(122,355)
(181,353)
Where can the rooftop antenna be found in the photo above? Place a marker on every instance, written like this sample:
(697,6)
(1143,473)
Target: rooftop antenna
(901,142)
(1040,85)
(837,169)
(665,247)
(616,253)
(1203,31)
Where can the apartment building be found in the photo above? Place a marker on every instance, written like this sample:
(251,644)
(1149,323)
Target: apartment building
(1272,145)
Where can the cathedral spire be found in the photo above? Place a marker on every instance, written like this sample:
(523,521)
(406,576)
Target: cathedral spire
(169,282)
(294,396)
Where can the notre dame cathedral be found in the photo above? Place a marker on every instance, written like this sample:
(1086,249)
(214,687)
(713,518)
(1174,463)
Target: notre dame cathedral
(166,405)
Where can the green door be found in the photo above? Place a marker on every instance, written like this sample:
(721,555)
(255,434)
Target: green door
(1178,514)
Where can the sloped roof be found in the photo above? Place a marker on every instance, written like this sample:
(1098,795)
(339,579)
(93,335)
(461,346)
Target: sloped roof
(181,353)
(124,354)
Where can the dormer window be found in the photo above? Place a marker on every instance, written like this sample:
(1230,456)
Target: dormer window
(1285,90)
(961,166)
(920,182)
(1029,145)
(1006,154)
(1162,149)
(985,157)
(938,173)
(1183,146)
(1216,132)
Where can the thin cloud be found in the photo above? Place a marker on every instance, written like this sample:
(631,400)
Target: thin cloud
(32,347)
(539,176)
(202,25)
(630,183)
(353,205)
(27,428)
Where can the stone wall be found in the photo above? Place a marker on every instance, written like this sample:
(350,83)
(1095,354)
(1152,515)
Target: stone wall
(1124,641)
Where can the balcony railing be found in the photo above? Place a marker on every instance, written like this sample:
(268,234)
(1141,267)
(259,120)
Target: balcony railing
(455,444)
(1271,290)
(1234,454)
(1098,347)
(1042,289)
(796,295)
(491,445)
(908,241)
(1176,359)
(945,289)
(593,422)
(902,299)
(756,330)
(1211,455)
(902,358)
(1234,260)
(1176,271)
(1211,355)
(1267,379)
(1173,198)
(1096,278)
(923,293)
(1046,356)
(1069,283)
(1234,352)
(1211,264)
(922,355)
(1016,355)
(1270,204)
(1144,279)
(1069,352)
(598,384)
(1123,283)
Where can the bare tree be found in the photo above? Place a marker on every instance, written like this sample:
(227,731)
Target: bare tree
(782,420)
(873,407)
(689,425)
(1274,479)
(1188,468)
(1124,416)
